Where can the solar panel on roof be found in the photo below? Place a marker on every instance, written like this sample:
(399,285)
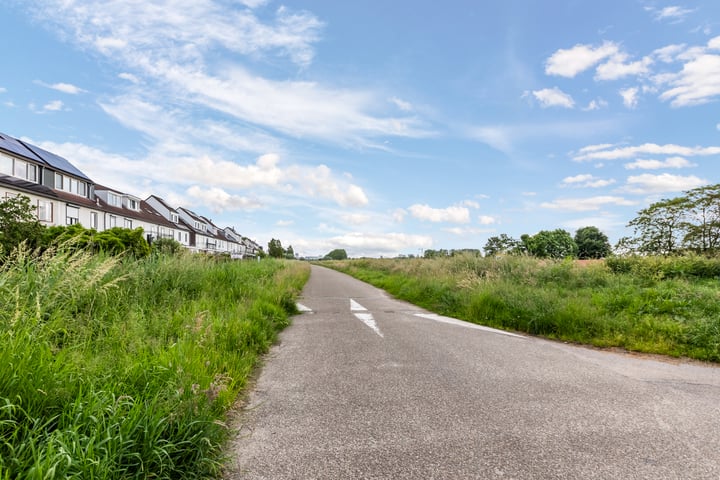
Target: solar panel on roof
(15,146)
(56,161)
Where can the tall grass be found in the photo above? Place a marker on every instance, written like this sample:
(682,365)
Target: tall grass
(113,369)
(667,306)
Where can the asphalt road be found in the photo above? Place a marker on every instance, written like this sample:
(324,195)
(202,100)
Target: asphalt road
(363,387)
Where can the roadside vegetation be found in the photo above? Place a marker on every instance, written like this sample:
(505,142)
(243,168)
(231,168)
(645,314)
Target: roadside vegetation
(117,367)
(667,306)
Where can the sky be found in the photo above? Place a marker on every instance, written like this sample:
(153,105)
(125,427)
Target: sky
(380,127)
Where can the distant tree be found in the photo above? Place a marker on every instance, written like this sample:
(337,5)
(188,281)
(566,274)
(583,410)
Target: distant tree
(550,244)
(289,252)
(702,220)
(337,254)
(275,249)
(18,223)
(660,228)
(168,246)
(592,243)
(466,251)
(502,244)
(436,253)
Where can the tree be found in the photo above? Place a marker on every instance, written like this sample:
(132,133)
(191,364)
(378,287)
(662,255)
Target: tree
(702,219)
(660,228)
(275,249)
(337,254)
(550,244)
(289,252)
(502,244)
(592,243)
(19,223)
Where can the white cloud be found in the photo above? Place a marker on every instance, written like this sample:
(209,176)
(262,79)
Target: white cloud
(499,138)
(570,62)
(464,232)
(617,67)
(671,162)
(487,220)
(586,204)
(3,89)
(553,97)
(53,106)
(669,53)
(402,104)
(608,152)
(629,96)
(596,105)
(129,77)
(586,181)
(376,244)
(284,223)
(648,184)
(698,82)
(218,200)
(673,13)
(453,214)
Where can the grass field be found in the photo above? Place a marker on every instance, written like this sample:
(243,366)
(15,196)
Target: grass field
(113,369)
(668,306)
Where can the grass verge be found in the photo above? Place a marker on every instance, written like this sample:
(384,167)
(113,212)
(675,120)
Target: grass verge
(652,305)
(114,369)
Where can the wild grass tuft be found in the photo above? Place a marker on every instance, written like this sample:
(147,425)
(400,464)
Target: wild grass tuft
(115,369)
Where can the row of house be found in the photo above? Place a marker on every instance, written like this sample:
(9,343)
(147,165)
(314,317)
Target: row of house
(63,195)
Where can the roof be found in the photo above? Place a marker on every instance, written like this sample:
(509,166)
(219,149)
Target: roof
(42,190)
(146,213)
(162,202)
(40,155)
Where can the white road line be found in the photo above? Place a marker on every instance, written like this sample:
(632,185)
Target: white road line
(303,308)
(367,319)
(356,307)
(460,323)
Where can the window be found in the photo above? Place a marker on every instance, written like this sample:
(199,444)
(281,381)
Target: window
(128,223)
(80,188)
(45,211)
(197,226)
(72,216)
(174,217)
(114,200)
(31,173)
(94,220)
(186,237)
(112,221)
(133,204)
(6,164)
(179,236)
(58,181)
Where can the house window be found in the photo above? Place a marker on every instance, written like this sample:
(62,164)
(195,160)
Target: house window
(58,181)
(80,188)
(179,236)
(174,217)
(128,223)
(31,173)
(6,164)
(112,221)
(94,220)
(72,215)
(45,211)
(114,200)
(186,237)
(197,225)
(133,204)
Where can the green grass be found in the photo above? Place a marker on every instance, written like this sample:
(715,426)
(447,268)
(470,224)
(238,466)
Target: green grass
(666,306)
(113,369)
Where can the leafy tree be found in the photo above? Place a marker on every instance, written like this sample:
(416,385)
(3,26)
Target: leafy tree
(660,228)
(114,241)
(168,246)
(436,253)
(702,219)
(592,243)
(289,252)
(275,249)
(550,244)
(19,223)
(499,245)
(337,254)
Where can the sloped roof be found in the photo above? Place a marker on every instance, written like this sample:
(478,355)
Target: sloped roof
(17,147)
(37,154)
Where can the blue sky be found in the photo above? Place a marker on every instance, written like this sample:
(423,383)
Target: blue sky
(379,127)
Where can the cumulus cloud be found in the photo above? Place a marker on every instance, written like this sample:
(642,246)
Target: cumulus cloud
(596,104)
(610,152)
(570,62)
(218,200)
(586,181)
(630,96)
(619,67)
(487,220)
(53,106)
(375,244)
(671,162)
(453,214)
(586,204)
(649,184)
(553,97)
(698,82)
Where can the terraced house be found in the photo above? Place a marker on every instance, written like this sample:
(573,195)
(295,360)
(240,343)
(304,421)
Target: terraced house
(63,195)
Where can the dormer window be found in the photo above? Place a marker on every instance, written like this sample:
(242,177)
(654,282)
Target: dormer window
(114,200)
(198,226)
(133,204)
(18,168)
(174,217)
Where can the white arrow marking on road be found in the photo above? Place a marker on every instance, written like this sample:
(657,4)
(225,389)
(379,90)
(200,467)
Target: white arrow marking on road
(303,308)
(460,323)
(366,318)
(356,307)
